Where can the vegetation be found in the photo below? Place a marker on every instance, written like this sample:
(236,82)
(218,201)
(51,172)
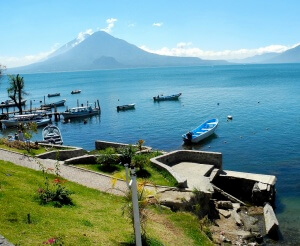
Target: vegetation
(22,147)
(94,219)
(54,192)
(145,170)
(2,68)
(16,90)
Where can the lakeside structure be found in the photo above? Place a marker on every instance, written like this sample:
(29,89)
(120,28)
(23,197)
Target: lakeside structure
(201,181)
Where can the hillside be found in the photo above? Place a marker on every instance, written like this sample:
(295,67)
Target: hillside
(103,51)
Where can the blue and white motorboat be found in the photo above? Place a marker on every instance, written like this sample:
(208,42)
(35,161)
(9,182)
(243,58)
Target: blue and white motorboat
(201,132)
(52,135)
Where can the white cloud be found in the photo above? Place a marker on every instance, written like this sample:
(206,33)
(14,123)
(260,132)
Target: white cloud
(158,24)
(82,36)
(13,61)
(186,50)
(110,24)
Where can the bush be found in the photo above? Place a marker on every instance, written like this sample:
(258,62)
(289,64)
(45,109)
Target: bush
(126,154)
(108,157)
(140,161)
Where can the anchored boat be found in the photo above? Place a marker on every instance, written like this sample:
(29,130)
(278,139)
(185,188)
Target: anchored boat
(75,91)
(126,107)
(26,118)
(78,112)
(54,104)
(54,95)
(167,98)
(201,132)
(52,135)
(11,103)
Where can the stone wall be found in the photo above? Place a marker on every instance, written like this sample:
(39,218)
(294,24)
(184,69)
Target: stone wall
(104,144)
(63,154)
(201,157)
(85,159)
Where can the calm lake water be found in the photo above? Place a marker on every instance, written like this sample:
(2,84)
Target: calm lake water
(263,137)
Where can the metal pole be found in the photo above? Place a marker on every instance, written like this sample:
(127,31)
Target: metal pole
(127,174)
(136,214)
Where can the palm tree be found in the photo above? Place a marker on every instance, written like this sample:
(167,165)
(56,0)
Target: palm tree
(16,90)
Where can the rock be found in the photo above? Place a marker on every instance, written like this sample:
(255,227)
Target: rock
(236,206)
(249,222)
(271,221)
(236,217)
(224,205)
(225,213)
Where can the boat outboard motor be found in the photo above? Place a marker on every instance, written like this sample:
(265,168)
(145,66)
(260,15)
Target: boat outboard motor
(189,135)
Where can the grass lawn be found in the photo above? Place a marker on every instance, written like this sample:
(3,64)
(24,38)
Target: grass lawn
(33,152)
(150,174)
(94,219)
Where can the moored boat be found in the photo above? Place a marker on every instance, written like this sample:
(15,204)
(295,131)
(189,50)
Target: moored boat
(51,134)
(11,103)
(54,95)
(75,91)
(54,104)
(201,132)
(126,107)
(167,98)
(82,111)
(26,118)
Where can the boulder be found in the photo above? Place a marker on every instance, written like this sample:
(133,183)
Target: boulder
(236,217)
(224,204)
(225,213)
(271,221)
(262,193)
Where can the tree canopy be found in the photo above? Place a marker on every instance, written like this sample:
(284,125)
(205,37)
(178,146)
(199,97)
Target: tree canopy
(16,90)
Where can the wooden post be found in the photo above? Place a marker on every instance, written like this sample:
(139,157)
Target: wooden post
(30,106)
(44,99)
(77,102)
(55,113)
(99,105)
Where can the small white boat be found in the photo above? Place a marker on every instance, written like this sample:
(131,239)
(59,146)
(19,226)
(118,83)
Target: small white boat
(78,112)
(167,98)
(52,135)
(26,118)
(201,132)
(126,107)
(75,91)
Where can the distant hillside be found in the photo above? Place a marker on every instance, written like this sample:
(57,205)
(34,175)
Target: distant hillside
(289,56)
(102,51)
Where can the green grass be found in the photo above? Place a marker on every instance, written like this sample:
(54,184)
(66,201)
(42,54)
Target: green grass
(33,152)
(94,219)
(150,174)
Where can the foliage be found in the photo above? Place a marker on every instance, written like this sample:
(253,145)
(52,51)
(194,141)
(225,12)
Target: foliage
(140,161)
(54,192)
(102,210)
(126,154)
(18,144)
(144,202)
(140,144)
(2,68)
(16,90)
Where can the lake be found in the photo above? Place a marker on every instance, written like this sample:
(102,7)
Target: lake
(263,137)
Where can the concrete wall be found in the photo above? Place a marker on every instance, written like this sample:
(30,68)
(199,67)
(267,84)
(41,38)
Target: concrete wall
(63,154)
(201,157)
(104,144)
(85,159)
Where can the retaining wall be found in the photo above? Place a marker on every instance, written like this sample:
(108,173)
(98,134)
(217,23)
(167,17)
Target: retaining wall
(104,144)
(64,154)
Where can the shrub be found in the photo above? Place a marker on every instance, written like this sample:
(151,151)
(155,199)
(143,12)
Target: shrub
(126,154)
(140,161)
(108,157)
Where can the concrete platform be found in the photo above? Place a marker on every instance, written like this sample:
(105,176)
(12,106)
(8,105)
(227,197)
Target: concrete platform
(195,175)
(266,179)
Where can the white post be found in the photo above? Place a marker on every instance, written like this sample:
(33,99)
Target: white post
(127,174)
(136,214)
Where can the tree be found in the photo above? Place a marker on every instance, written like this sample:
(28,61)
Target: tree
(16,90)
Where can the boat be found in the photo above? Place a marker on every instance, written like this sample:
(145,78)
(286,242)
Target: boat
(167,98)
(26,118)
(201,132)
(11,103)
(54,104)
(75,91)
(126,107)
(82,111)
(54,95)
(51,134)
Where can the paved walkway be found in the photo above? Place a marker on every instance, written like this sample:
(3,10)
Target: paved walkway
(77,175)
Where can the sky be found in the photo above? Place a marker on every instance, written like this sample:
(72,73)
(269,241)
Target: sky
(212,29)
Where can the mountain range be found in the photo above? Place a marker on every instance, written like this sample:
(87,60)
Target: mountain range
(103,51)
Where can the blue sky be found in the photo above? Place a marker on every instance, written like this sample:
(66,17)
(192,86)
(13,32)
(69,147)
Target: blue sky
(211,29)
